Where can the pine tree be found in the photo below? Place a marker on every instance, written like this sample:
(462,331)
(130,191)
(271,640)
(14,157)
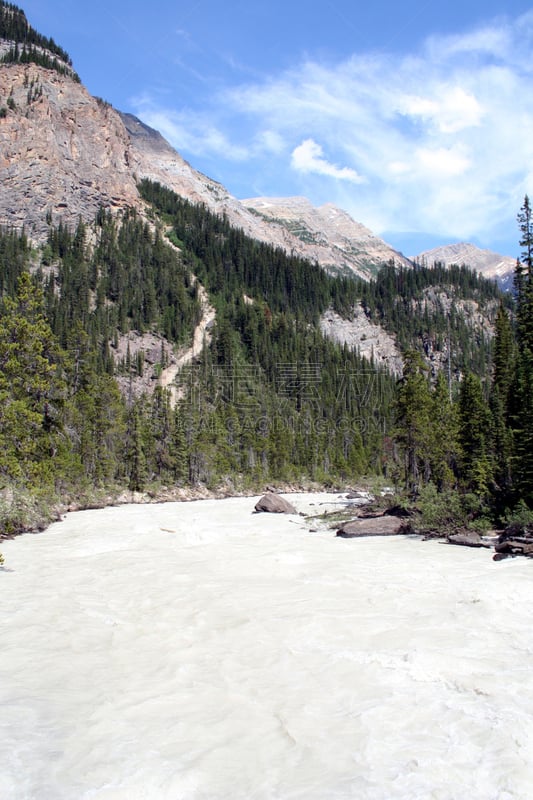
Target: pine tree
(444,446)
(502,407)
(413,421)
(32,386)
(524,279)
(476,469)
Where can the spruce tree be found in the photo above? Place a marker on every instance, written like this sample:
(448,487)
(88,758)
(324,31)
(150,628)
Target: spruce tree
(413,421)
(476,469)
(32,386)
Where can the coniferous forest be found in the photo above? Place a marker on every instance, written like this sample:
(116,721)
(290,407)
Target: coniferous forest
(29,46)
(270,399)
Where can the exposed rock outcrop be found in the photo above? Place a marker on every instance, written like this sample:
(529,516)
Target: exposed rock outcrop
(374,526)
(63,153)
(516,540)
(360,333)
(490,264)
(274,504)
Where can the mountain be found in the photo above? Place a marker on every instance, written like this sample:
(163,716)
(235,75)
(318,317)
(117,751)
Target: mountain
(326,235)
(156,331)
(490,265)
(64,154)
(333,238)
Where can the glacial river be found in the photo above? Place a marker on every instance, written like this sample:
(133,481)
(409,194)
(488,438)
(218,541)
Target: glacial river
(197,651)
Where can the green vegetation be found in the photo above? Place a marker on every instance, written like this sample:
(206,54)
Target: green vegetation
(470,461)
(270,400)
(28,45)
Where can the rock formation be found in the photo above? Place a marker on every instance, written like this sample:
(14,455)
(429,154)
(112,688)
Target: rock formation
(382,525)
(516,540)
(328,234)
(274,504)
(360,333)
(487,263)
(63,153)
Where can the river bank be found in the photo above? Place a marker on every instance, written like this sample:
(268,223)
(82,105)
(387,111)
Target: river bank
(22,511)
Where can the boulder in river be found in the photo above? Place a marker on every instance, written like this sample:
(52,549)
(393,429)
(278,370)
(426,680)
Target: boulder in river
(516,540)
(274,504)
(467,539)
(374,526)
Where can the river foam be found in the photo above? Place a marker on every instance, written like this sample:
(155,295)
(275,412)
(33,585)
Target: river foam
(197,651)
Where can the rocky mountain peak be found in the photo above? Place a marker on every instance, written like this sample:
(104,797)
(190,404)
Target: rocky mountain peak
(486,262)
(331,236)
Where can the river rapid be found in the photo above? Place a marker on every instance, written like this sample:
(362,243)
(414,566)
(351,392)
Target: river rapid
(198,651)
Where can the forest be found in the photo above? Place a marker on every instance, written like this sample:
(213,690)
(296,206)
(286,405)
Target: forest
(271,399)
(29,46)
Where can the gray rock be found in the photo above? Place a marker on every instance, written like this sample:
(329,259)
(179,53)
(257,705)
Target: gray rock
(467,539)
(515,547)
(516,540)
(374,526)
(274,504)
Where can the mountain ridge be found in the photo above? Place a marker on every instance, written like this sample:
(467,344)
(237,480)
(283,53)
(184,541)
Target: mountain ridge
(486,262)
(350,245)
(65,153)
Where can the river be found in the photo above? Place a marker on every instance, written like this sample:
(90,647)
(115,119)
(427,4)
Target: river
(197,651)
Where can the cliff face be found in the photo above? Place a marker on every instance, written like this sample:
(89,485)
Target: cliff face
(62,152)
(328,235)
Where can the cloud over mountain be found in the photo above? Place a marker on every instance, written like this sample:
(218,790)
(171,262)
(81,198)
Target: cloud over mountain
(437,140)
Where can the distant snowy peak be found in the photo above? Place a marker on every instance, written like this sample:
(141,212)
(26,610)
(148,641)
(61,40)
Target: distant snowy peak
(341,244)
(487,263)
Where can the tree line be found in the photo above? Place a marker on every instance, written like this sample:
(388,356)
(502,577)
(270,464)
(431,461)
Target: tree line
(271,398)
(29,46)
(474,446)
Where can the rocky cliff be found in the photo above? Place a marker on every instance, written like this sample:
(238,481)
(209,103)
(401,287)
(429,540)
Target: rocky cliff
(328,235)
(64,153)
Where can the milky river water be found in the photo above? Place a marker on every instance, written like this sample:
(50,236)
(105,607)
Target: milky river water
(197,651)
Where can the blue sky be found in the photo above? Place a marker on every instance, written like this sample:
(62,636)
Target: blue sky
(415,117)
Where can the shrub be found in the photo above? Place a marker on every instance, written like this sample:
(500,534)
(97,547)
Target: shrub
(520,515)
(440,511)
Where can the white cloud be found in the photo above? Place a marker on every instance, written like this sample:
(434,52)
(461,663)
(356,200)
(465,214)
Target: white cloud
(443,137)
(269,142)
(493,40)
(443,162)
(309,157)
(450,110)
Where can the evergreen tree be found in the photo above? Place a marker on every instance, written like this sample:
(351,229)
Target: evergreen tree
(502,407)
(476,469)
(524,279)
(32,386)
(413,421)
(444,446)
